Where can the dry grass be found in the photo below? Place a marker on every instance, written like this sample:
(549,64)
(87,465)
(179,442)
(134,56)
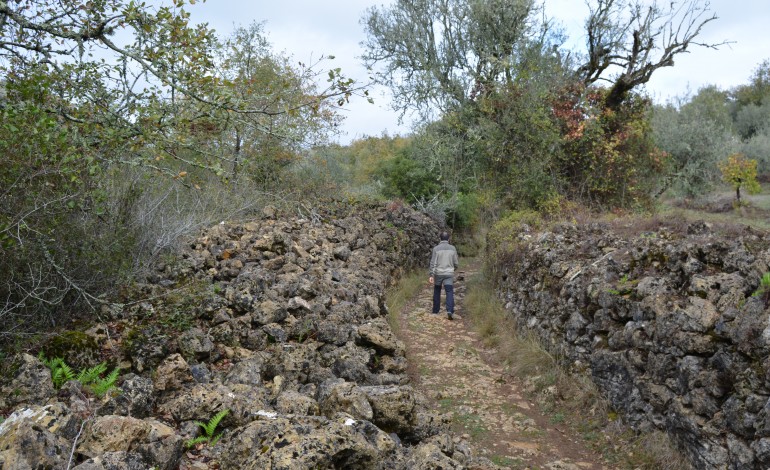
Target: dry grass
(573,395)
(654,451)
(399,295)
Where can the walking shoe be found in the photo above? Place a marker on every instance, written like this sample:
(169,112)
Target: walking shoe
(450,315)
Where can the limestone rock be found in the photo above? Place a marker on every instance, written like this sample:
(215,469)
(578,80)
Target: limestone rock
(338,396)
(393,408)
(296,443)
(135,398)
(172,374)
(196,344)
(667,321)
(31,385)
(31,438)
(156,442)
(378,334)
(114,461)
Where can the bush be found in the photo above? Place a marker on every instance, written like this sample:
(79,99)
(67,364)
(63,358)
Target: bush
(409,179)
(503,238)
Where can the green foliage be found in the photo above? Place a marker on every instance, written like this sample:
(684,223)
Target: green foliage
(102,386)
(92,374)
(465,211)
(435,55)
(113,150)
(740,172)
(695,136)
(91,378)
(503,238)
(608,154)
(763,291)
(209,430)
(61,373)
(409,178)
(757,90)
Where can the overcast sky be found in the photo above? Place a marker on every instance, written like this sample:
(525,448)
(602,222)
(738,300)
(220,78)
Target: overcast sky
(306,29)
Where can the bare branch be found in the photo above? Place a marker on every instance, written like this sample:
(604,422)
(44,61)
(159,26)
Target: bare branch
(635,39)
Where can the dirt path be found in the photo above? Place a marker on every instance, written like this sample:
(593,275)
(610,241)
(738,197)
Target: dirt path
(447,361)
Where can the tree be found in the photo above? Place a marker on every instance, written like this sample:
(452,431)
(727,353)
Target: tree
(696,134)
(292,116)
(437,55)
(99,89)
(633,38)
(608,158)
(758,88)
(740,172)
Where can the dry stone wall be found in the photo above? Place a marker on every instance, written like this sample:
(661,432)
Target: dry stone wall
(665,321)
(282,321)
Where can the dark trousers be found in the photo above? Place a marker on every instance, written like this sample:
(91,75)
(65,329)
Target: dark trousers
(450,297)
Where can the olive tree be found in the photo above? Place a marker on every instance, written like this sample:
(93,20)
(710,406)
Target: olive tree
(696,134)
(437,55)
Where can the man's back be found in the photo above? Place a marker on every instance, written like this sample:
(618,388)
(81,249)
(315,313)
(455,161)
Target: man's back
(443,260)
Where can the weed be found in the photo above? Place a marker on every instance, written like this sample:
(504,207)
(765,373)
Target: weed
(653,451)
(446,403)
(763,291)
(557,418)
(177,319)
(61,373)
(209,430)
(471,423)
(504,461)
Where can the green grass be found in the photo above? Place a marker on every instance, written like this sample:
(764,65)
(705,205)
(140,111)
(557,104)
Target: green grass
(557,418)
(504,461)
(472,424)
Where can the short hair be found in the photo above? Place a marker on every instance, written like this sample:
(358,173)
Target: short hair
(444,236)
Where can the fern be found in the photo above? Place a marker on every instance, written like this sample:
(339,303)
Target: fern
(194,442)
(89,376)
(101,386)
(209,429)
(61,373)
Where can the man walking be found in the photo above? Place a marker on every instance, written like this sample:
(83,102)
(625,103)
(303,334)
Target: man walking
(443,262)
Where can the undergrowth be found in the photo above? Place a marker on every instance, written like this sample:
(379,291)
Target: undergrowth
(92,378)
(573,399)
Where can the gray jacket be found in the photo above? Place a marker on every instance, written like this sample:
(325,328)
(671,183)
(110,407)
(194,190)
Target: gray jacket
(443,260)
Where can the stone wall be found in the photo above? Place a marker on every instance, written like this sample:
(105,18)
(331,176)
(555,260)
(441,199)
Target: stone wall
(281,321)
(664,321)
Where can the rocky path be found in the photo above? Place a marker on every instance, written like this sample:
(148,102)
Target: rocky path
(448,363)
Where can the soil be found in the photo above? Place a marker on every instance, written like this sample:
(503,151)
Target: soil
(451,366)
